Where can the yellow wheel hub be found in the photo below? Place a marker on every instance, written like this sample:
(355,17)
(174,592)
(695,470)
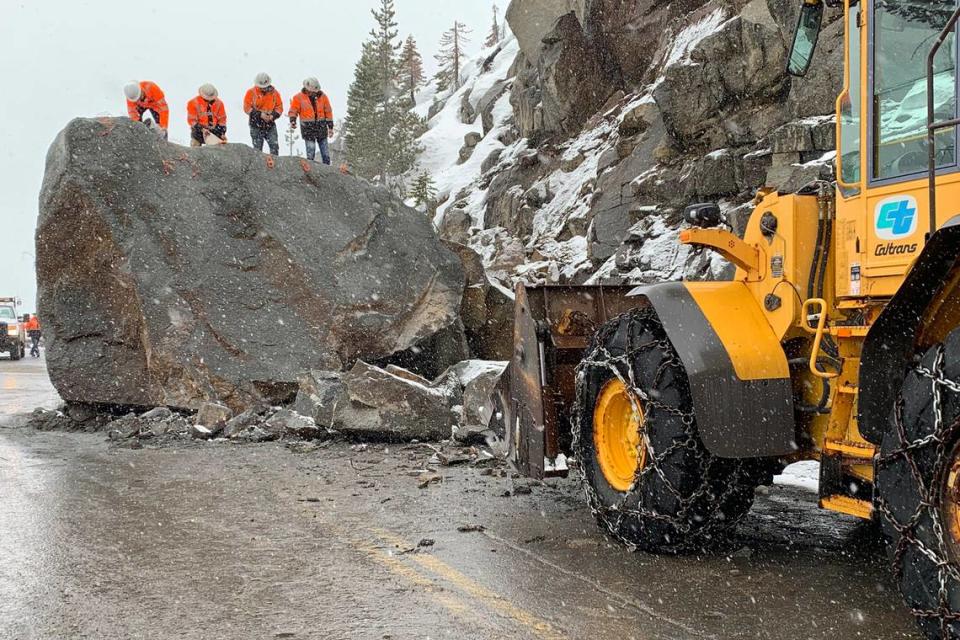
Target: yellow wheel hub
(617,434)
(950,505)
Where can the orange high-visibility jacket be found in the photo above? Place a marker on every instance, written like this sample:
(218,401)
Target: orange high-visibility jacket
(33,324)
(257,100)
(206,114)
(301,106)
(152,99)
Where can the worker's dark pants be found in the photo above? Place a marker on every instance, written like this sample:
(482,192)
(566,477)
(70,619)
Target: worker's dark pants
(312,143)
(35,345)
(258,136)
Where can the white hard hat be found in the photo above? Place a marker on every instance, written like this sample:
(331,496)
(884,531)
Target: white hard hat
(132,91)
(208,91)
(263,80)
(311,84)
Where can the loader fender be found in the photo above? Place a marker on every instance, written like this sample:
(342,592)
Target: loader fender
(738,372)
(895,336)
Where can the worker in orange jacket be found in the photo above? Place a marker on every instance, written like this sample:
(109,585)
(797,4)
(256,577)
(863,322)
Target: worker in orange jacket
(206,115)
(32,327)
(313,108)
(264,105)
(146,96)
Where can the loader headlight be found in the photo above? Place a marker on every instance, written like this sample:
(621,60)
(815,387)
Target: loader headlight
(13,330)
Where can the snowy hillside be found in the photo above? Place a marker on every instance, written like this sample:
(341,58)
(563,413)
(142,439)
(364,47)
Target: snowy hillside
(555,247)
(558,168)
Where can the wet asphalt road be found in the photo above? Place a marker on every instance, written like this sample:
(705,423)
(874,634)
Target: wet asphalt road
(228,541)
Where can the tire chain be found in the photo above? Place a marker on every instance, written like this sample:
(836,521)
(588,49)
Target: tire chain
(687,515)
(929,491)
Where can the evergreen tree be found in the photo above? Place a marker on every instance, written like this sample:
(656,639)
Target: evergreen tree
(494,36)
(411,69)
(451,57)
(381,133)
(423,191)
(364,99)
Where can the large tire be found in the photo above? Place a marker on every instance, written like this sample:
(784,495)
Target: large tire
(15,352)
(681,498)
(916,475)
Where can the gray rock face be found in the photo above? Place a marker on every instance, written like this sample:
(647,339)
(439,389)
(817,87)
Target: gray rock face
(532,20)
(743,59)
(174,276)
(573,81)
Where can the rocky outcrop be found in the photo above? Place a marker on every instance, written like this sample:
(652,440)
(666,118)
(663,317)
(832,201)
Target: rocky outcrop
(174,276)
(623,112)
(532,20)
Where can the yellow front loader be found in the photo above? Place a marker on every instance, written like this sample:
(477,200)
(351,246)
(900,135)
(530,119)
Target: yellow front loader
(837,339)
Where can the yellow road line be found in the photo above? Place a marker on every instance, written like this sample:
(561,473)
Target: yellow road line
(492,600)
(399,568)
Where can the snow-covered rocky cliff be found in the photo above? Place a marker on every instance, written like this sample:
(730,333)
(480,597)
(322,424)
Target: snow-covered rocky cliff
(572,147)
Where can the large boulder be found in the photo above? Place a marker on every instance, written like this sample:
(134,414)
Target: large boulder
(174,276)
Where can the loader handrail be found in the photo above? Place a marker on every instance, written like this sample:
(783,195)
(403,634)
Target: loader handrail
(821,318)
(932,125)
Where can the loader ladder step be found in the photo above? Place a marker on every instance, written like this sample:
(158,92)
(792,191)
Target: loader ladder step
(850,506)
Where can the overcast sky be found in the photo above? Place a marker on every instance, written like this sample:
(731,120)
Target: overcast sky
(65,58)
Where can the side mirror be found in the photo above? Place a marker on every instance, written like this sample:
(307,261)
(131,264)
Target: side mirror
(805,38)
(705,214)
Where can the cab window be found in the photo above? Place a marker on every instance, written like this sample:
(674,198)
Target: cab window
(7,313)
(903,35)
(850,106)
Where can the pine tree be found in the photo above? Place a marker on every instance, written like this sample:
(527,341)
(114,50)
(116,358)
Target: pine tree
(423,190)
(361,124)
(451,56)
(411,69)
(381,133)
(424,193)
(494,36)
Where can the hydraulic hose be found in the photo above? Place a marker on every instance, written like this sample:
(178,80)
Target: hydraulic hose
(828,344)
(815,263)
(821,407)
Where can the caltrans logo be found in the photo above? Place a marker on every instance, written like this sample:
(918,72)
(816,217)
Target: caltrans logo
(896,217)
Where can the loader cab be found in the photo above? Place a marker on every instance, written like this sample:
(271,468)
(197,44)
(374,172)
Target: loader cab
(883,155)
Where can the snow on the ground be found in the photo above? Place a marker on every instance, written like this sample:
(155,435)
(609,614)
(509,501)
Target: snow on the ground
(804,474)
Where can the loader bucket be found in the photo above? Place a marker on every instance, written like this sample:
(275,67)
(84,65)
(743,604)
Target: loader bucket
(553,326)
